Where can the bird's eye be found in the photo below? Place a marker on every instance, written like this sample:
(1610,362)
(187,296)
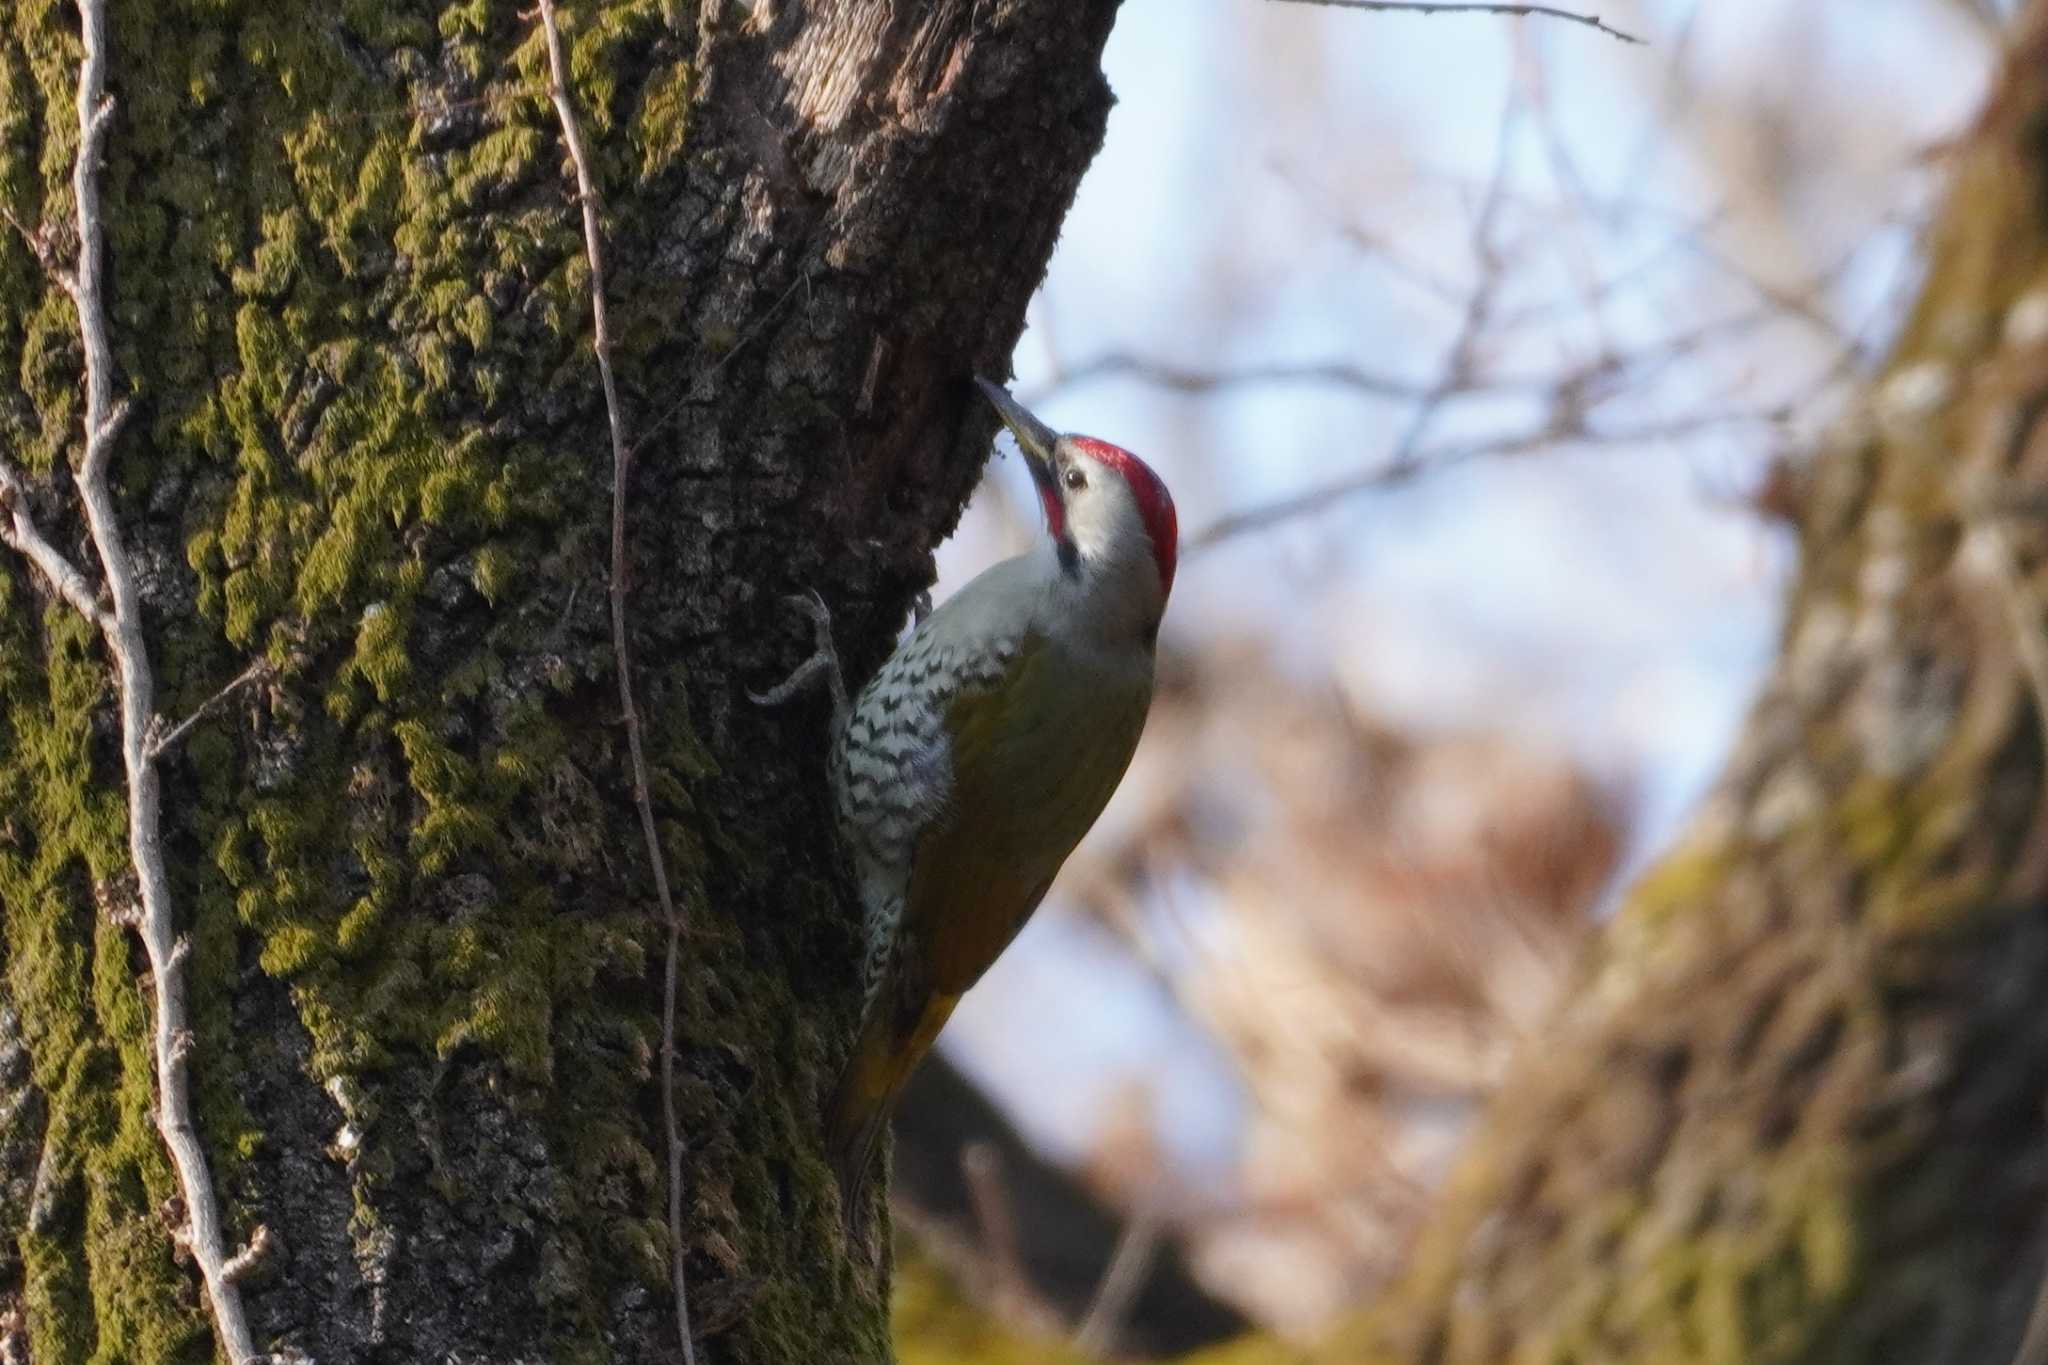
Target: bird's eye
(1075,479)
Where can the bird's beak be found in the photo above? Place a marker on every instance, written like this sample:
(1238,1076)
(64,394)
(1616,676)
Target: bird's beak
(1034,437)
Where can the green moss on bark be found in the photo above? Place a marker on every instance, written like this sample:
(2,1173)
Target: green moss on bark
(98,1282)
(329,351)
(350,307)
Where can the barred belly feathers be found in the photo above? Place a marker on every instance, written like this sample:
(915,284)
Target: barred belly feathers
(974,761)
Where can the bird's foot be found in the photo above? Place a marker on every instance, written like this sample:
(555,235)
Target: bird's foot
(823,662)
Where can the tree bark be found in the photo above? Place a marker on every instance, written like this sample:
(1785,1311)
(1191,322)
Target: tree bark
(349,303)
(1794,1109)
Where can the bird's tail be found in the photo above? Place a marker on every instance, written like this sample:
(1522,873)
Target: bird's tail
(893,1040)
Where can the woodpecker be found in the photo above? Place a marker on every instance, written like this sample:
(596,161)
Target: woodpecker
(970,766)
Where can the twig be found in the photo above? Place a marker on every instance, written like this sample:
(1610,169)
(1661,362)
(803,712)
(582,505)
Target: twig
(122,627)
(1121,1280)
(19,532)
(1437,7)
(252,1259)
(1591,384)
(1678,89)
(622,463)
(1456,371)
(1659,258)
(1567,421)
(754,329)
(164,741)
(1432,460)
(1802,304)
(1159,374)
(1581,260)
(1987,548)
(982,1166)
(1373,246)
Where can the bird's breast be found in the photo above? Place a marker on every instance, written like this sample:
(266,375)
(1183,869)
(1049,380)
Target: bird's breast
(894,768)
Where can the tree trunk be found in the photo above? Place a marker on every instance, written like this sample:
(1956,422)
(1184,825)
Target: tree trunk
(350,305)
(1795,1108)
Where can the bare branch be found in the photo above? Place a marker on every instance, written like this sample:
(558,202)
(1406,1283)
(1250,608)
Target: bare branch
(754,329)
(252,1259)
(1160,374)
(1381,250)
(162,741)
(981,1164)
(1677,88)
(1802,303)
(1438,7)
(1571,398)
(19,532)
(1434,460)
(1459,361)
(1598,380)
(622,464)
(1121,1281)
(122,627)
(40,243)
(1581,259)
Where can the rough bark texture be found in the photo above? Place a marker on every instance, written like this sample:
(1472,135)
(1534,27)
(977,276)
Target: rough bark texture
(350,304)
(1795,1110)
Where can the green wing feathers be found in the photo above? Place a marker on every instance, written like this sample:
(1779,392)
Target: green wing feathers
(894,1037)
(1035,759)
(1035,755)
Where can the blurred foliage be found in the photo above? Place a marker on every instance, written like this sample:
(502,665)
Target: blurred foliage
(935,1324)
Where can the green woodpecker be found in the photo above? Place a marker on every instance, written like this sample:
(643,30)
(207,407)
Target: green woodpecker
(970,767)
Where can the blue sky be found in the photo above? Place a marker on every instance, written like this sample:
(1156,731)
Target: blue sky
(1287,184)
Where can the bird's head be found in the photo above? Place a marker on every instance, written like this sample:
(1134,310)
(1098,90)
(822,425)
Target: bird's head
(1107,512)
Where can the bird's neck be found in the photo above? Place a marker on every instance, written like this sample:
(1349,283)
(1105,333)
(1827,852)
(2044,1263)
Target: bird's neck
(1107,601)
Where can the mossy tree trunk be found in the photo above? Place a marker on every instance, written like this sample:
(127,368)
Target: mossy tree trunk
(350,304)
(1794,1110)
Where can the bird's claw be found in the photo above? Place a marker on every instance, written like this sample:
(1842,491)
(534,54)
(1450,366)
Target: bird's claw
(812,604)
(824,660)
